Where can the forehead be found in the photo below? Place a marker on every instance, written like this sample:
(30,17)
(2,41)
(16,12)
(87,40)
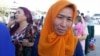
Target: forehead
(66,11)
(20,10)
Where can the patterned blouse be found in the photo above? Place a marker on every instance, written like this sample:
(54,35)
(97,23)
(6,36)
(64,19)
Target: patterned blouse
(24,34)
(18,36)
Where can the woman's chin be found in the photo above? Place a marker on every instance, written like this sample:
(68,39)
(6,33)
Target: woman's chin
(60,33)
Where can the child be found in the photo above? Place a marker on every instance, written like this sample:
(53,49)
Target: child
(79,29)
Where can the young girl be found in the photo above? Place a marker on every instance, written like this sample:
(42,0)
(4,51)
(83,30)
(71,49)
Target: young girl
(78,27)
(80,31)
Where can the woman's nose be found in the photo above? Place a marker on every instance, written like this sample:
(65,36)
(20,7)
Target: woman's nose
(64,22)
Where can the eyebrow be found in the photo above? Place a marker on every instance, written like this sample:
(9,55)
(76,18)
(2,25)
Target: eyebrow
(61,15)
(64,16)
(18,11)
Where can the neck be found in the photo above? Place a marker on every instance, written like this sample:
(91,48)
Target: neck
(23,24)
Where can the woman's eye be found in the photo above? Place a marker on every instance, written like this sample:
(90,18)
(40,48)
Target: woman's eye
(18,12)
(69,19)
(60,17)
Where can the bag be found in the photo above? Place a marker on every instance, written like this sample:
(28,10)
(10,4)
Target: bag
(92,44)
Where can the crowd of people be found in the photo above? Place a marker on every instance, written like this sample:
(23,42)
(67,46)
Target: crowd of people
(65,32)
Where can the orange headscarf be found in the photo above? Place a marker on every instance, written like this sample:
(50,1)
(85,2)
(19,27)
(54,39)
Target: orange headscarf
(50,44)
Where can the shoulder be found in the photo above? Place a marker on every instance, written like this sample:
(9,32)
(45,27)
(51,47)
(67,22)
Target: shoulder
(6,46)
(78,46)
(75,40)
(2,25)
(78,50)
(4,30)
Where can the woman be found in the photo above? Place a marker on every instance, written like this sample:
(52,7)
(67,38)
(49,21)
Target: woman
(6,46)
(21,31)
(57,38)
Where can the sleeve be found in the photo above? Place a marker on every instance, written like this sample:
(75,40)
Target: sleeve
(6,46)
(78,50)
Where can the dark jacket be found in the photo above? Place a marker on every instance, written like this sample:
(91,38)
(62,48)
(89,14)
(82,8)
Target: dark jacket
(78,50)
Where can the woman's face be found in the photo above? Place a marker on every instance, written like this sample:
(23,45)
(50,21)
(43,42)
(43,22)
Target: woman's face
(63,21)
(20,16)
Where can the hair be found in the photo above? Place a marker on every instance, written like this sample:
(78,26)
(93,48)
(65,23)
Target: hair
(29,20)
(78,18)
(70,6)
(82,14)
(27,14)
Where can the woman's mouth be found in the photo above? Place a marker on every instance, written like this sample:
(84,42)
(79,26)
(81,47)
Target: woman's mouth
(61,30)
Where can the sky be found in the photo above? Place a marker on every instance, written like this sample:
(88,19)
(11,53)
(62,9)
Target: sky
(88,5)
(43,5)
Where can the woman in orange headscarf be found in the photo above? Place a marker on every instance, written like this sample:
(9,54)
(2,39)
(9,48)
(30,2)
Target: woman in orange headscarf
(57,38)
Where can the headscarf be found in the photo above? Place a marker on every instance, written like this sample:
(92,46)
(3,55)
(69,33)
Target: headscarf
(50,44)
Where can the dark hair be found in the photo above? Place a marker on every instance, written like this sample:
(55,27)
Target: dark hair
(78,18)
(29,20)
(71,6)
(82,14)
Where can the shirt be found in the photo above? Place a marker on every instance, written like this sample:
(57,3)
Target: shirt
(6,45)
(78,29)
